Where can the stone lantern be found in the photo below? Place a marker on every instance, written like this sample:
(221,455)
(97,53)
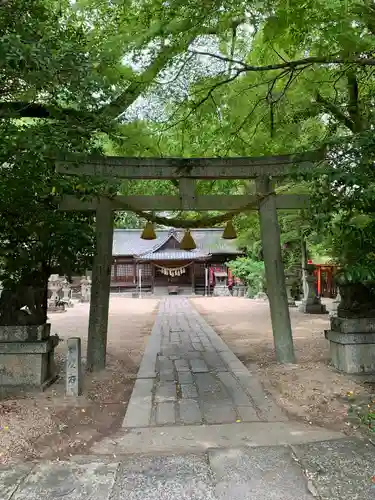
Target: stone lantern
(290,281)
(221,288)
(311,303)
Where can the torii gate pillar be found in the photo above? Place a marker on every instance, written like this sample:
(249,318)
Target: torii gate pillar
(100,288)
(276,289)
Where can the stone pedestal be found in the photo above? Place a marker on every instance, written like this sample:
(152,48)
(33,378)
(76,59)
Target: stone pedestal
(311,303)
(27,355)
(352,344)
(221,291)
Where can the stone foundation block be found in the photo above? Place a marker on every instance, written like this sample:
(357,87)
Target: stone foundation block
(26,332)
(221,291)
(352,325)
(27,361)
(316,308)
(352,352)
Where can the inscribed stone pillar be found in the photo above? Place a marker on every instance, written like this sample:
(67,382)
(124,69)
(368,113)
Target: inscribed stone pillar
(73,367)
(270,233)
(100,288)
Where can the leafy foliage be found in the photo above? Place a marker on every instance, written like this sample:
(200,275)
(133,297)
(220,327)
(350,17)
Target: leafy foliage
(236,79)
(344,207)
(57,69)
(64,80)
(34,234)
(251,272)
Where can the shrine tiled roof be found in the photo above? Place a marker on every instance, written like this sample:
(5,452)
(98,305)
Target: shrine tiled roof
(128,242)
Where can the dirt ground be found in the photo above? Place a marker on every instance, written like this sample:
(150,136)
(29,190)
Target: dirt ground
(51,425)
(311,390)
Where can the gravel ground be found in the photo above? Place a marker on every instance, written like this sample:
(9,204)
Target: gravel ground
(51,425)
(310,390)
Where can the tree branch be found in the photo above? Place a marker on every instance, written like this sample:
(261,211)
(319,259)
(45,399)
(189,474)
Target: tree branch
(136,88)
(332,59)
(114,109)
(335,111)
(23,109)
(202,100)
(119,105)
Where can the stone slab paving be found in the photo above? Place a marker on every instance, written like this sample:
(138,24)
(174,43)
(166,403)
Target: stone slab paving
(177,439)
(339,469)
(188,375)
(165,478)
(258,473)
(77,480)
(330,470)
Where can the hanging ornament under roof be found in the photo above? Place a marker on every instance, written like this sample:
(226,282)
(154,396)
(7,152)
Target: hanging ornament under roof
(187,242)
(229,232)
(148,232)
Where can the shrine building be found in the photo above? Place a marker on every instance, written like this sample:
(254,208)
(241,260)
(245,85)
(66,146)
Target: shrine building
(159,266)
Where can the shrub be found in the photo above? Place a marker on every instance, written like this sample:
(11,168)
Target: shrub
(250,272)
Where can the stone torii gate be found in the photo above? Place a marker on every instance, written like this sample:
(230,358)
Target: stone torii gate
(186,171)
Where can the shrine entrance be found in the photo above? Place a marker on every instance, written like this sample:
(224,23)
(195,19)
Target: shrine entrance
(185,172)
(325,284)
(173,273)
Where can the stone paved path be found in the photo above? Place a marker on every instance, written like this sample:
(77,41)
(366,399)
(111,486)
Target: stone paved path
(199,427)
(189,376)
